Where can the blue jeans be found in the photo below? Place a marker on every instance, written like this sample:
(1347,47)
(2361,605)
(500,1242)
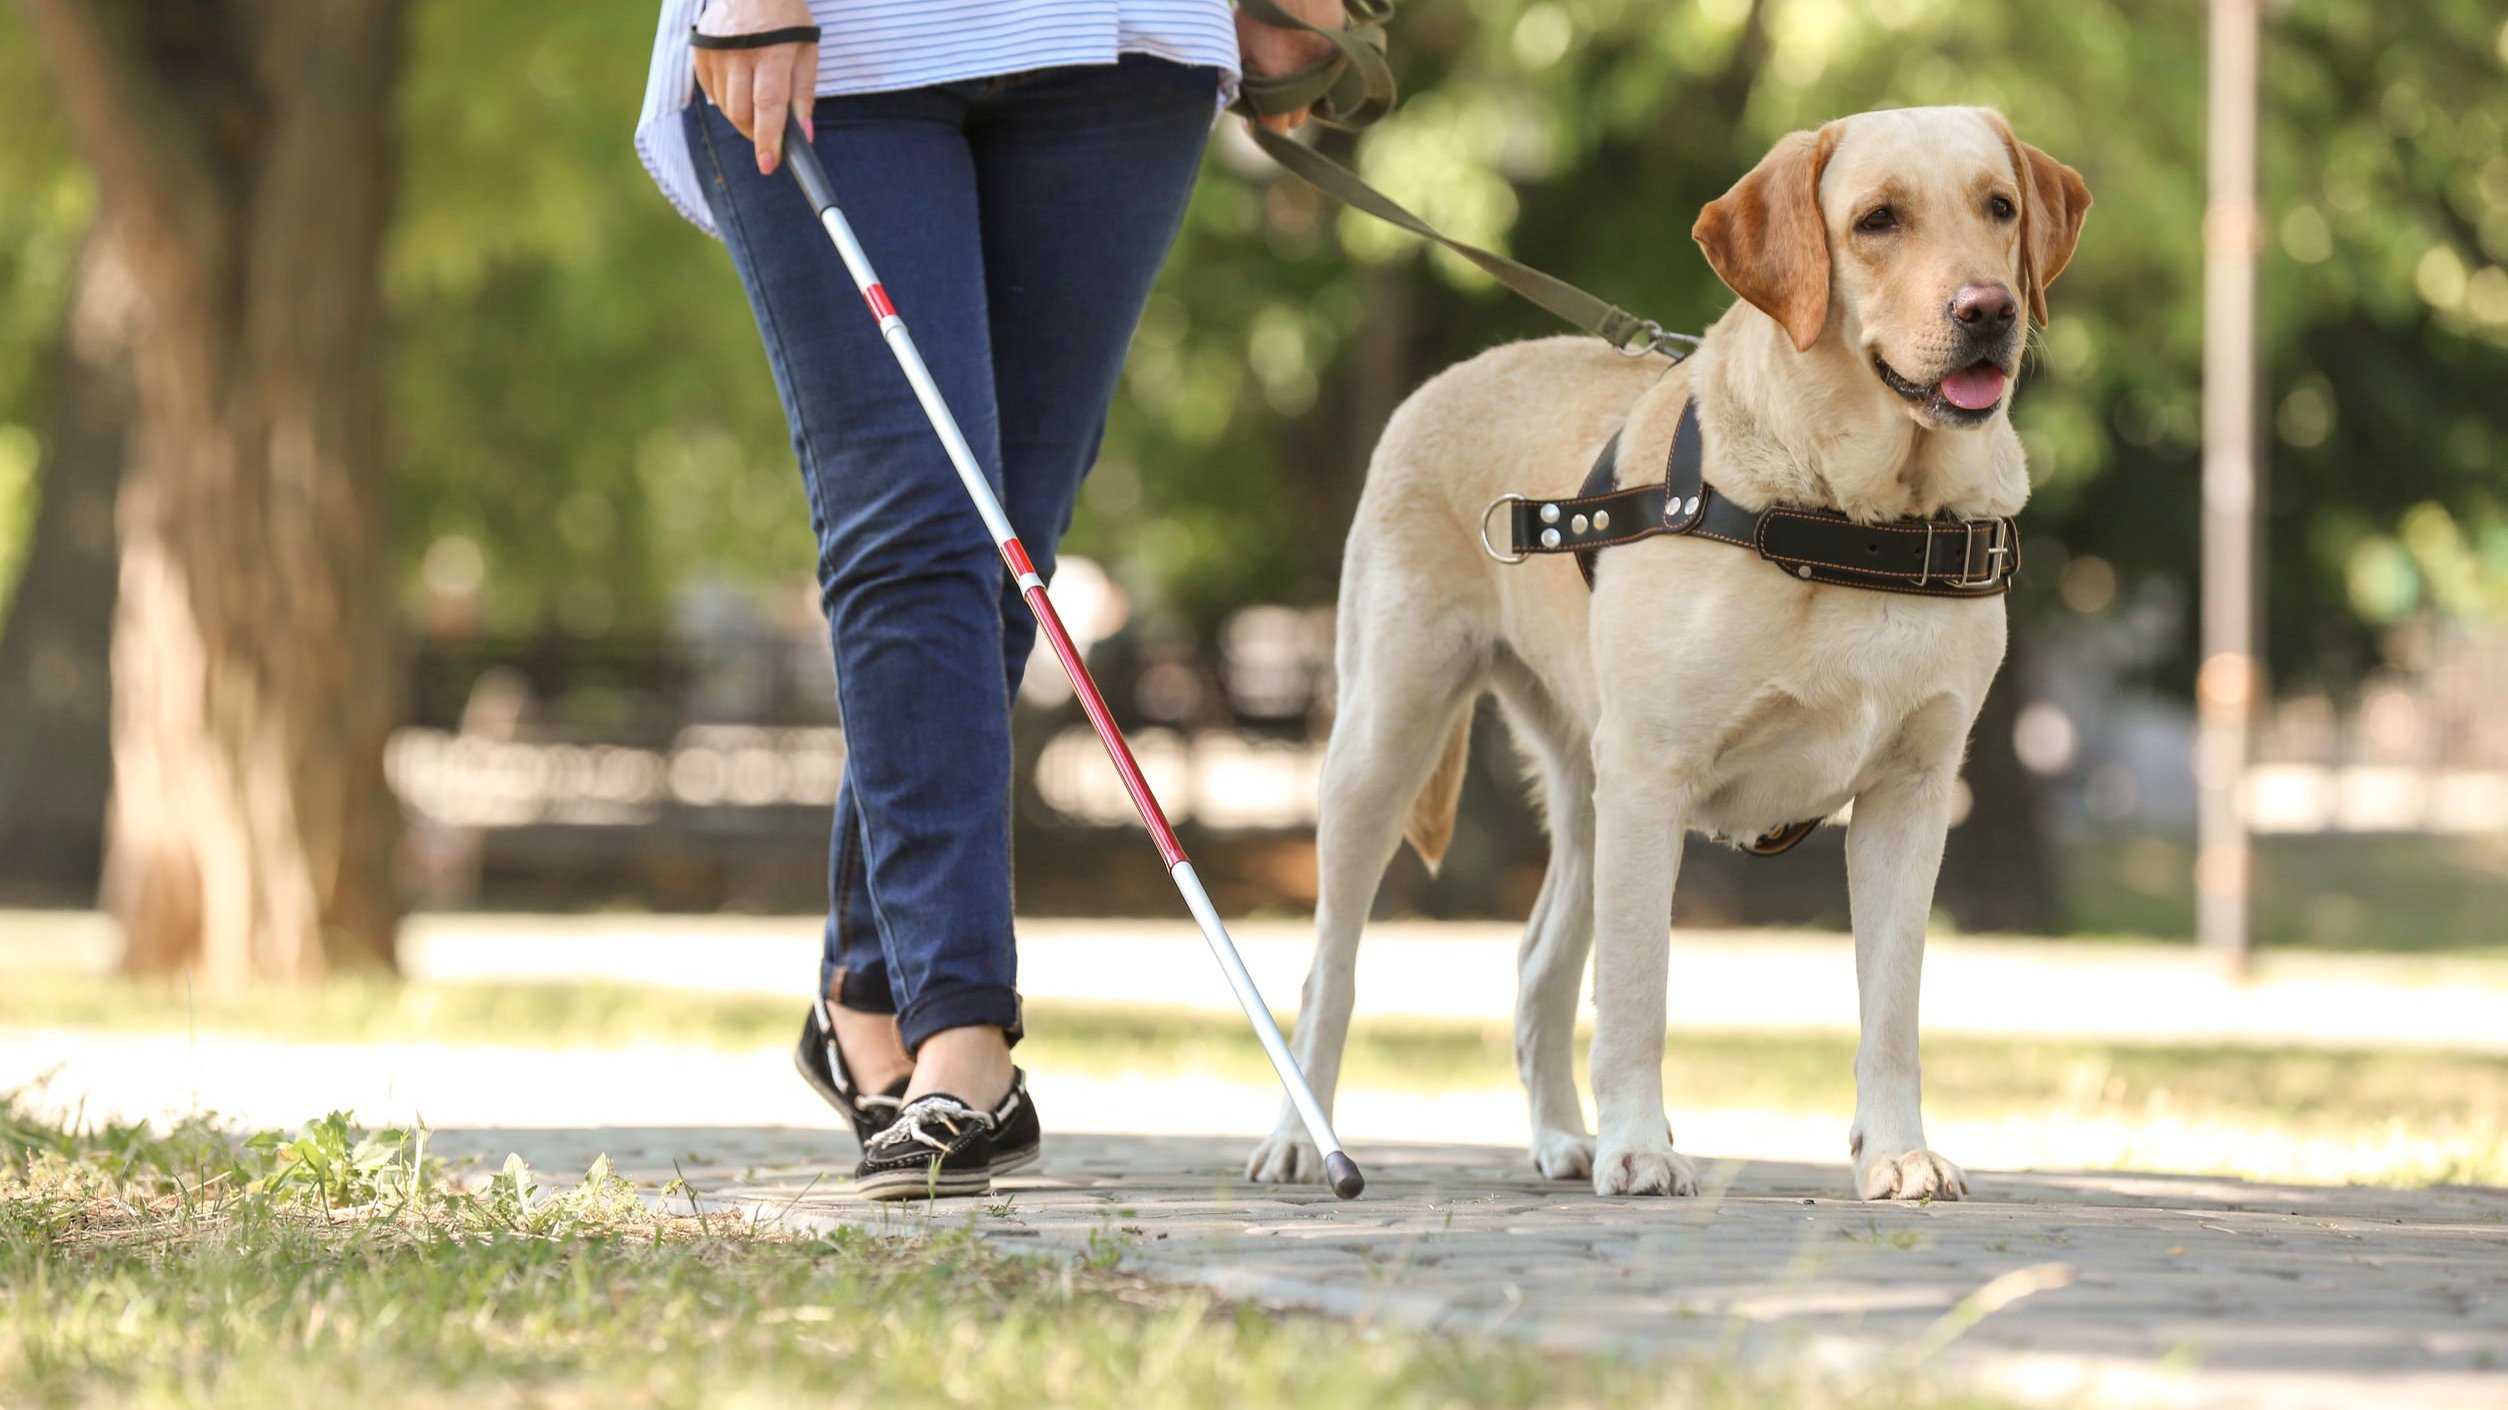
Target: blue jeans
(1017,223)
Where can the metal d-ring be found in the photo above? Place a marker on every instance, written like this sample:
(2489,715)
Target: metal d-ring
(1651,338)
(1490,548)
(1647,339)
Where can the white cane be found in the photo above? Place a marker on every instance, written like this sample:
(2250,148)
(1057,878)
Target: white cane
(1343,1171)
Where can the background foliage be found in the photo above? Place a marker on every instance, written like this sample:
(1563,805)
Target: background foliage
(44,203)
(582,420)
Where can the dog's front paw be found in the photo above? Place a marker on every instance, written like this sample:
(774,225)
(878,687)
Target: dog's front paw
(1285,1159)
(1912,1175)
(1563,1155)
(1656,1170)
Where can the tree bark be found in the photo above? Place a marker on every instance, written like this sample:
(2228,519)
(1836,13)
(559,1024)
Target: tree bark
(56,762)
(244,147)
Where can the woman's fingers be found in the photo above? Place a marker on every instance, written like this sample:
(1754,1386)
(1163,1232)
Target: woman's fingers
(739,97)
(1272,51)
(758,88)
(787,76)
(771,87)
(708,64)
(805,87)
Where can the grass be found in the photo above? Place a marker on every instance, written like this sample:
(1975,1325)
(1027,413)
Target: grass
(1754,1070)
(190,1267)
(2404,1118)
(2410,894)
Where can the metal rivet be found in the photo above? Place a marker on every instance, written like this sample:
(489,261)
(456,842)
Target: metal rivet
(1602,519)
(1803,572)
(1690,508)
(1580,523)
(1550,514)
(1550,538)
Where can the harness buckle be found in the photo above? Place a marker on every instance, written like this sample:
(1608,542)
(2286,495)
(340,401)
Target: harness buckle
(1490,548)
(1970,576)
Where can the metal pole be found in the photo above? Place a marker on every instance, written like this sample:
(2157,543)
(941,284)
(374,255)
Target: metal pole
(1339,1169)
(2227,683)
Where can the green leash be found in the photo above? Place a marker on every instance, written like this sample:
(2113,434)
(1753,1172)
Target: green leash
(1353,87)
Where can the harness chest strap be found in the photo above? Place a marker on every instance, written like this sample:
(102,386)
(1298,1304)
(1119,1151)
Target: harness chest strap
(1926,557)
(1932,557)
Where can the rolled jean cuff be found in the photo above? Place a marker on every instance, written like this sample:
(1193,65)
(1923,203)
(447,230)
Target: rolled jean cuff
(865,990)
(959,1006)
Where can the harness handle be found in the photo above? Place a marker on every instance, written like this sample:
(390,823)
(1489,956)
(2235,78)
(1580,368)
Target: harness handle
(1353,87)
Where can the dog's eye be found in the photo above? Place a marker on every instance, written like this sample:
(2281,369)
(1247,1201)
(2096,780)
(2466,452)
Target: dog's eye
(1878,219)
(2002,208)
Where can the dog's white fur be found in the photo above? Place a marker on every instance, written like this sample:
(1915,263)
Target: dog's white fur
(1696,688)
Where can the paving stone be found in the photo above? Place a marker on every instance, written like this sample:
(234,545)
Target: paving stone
(2150,1288)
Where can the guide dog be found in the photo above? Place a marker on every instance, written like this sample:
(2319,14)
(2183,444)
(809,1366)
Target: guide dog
(1889,266)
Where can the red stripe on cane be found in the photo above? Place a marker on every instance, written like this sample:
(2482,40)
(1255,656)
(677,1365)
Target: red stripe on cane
(877,298)
(1170,850)
(1015,554)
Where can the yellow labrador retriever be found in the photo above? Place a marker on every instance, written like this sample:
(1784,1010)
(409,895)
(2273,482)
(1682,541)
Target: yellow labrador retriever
(1888,266)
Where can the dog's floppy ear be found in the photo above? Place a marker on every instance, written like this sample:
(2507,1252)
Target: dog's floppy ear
(2053,202)
(1766,239)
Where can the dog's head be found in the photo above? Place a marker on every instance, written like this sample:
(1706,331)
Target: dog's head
(1912,237)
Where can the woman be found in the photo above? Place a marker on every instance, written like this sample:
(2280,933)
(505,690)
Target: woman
(1016,170)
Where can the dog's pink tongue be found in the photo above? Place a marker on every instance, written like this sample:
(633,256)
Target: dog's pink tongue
(1974,388)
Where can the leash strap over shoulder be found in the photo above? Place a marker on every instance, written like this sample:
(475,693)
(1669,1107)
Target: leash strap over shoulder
(1924,557)
(1353,87)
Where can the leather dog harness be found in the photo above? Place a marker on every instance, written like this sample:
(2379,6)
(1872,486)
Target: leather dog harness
(1941,557)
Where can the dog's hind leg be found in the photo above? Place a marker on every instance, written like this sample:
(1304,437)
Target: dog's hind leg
(1558,936)
(1407,686)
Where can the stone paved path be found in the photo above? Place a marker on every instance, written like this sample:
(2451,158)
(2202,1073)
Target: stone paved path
(2132,1289)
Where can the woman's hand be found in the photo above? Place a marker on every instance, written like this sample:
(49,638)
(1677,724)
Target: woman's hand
(756,88)
(1270,51)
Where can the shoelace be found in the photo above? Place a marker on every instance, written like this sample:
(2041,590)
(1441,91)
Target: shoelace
(909,1123)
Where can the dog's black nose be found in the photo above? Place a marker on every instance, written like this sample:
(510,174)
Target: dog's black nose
(1983,308)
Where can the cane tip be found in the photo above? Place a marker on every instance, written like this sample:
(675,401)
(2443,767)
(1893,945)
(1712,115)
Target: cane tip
(1344,1173)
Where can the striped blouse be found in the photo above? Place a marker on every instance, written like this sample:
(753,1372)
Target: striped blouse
(879,46)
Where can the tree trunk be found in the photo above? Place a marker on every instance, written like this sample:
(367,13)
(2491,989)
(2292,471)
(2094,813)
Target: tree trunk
(244,147)
(56,761)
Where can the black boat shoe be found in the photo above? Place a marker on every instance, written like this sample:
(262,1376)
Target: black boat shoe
(1017,1137)
(949,1148)
(937,1146)
(821,1063)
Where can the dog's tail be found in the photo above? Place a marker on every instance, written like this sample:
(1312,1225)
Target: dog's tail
(1431,824)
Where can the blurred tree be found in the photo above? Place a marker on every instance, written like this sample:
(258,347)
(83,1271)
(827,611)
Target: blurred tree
(56,762)
(555,314)
(583,419)
(64,398)
(242,154)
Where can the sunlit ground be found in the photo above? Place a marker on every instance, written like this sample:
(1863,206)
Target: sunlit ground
(193,1268)
(642,1054)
